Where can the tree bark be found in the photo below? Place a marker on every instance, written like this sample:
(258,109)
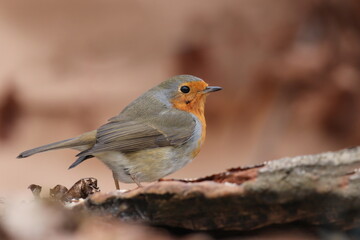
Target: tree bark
(320,189)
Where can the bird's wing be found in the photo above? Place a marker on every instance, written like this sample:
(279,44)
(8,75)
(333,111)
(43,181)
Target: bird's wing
(168,129)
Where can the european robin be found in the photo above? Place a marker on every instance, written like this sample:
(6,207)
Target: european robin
(155,135)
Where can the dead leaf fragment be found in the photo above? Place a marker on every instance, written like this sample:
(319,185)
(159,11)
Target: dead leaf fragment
(82,189)
(35,189)
(58,192)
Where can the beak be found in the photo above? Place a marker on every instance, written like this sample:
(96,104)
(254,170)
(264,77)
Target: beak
(209,89)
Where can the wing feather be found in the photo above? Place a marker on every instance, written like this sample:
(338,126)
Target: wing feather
(172,128)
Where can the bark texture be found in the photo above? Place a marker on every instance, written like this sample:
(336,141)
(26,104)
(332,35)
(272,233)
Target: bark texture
(320,189)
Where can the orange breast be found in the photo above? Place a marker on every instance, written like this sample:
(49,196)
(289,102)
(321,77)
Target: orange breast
(195,104)
(200,115)
(198,111)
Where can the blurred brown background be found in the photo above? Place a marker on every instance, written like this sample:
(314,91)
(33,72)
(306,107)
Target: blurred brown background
(290,72)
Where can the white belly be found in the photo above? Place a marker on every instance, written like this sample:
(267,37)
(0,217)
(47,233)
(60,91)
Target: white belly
(118,163)
(146,165)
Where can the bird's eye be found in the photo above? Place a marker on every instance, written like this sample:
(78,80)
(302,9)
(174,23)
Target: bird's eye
(185,89)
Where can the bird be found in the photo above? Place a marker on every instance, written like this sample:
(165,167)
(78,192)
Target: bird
(155,135)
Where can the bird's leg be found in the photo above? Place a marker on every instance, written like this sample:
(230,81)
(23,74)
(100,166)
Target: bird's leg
(136,181)
(116,181)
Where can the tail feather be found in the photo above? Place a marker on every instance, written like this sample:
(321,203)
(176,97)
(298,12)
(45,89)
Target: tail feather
(82,140)
(80,160)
